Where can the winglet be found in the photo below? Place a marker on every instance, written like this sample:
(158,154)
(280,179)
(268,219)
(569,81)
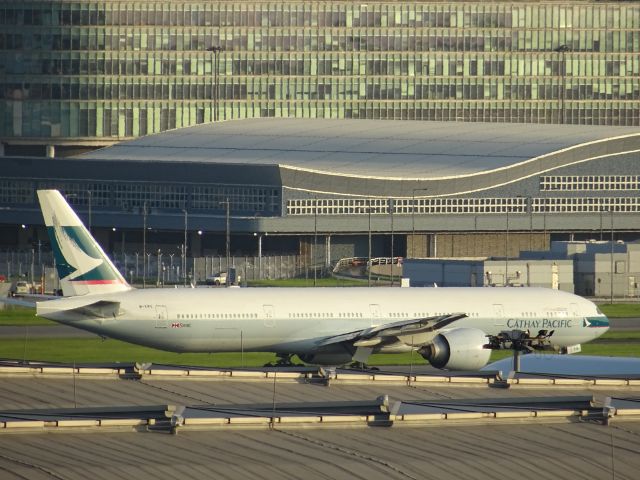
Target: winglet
(82,266)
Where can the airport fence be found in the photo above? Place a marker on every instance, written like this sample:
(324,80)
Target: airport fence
(158,269)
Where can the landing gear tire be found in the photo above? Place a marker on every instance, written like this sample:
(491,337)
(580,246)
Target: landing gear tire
(284,360)
(362,366)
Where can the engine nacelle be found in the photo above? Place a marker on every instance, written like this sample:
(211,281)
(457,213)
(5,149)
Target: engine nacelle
(458,349)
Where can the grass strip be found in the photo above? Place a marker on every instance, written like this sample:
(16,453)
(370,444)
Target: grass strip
(96,350)
(12,316)
(620,310)
(308,282)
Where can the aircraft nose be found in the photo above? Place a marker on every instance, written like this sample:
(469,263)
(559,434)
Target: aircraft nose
(598,325)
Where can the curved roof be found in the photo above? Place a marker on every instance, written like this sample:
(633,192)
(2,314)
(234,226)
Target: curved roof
(382,149)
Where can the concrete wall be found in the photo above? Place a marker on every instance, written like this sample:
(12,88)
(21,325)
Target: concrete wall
(443,272)
(595,276)
(490,272)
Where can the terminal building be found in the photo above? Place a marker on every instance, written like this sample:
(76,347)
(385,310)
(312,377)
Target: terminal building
(81,74)
(329,189)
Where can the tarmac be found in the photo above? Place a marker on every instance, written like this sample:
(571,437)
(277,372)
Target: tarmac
(116,422)
(575,439)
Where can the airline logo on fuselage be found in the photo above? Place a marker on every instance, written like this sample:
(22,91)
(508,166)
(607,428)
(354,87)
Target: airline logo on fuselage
(539,324)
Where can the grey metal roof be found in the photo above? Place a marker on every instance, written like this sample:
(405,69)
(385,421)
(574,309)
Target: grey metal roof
(391,149)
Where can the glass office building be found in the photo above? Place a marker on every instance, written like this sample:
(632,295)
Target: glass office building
(95,72)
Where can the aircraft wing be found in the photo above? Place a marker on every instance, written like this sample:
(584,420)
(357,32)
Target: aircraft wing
(391,332)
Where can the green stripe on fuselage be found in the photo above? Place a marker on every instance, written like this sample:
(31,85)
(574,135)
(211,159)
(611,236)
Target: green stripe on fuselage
(596,322)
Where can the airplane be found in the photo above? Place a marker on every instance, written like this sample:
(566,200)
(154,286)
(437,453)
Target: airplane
(453,328)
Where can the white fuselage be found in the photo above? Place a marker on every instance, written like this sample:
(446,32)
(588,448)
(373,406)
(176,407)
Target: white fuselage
(294,320)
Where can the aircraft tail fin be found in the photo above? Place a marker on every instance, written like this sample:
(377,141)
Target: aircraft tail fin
(82,265)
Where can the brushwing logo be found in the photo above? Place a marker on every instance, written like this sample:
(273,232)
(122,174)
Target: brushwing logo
(77,258)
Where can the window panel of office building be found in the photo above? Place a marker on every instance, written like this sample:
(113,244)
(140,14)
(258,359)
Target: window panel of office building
(590,182)
(119,69)
(463,205)
(133,196)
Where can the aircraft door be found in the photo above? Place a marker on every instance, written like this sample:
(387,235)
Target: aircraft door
(575,312)
(554,277)
(498,314)
(269,317)
(374,308)
(162,317)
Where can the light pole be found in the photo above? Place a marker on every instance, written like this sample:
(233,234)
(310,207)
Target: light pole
(392,207)
(184,247)
(259,235)
(413,219)
(529,209)
(144,245)
(315,241)
(562,49)
(215,68)
(506,251)
(228,237)
(90,196)
(159,257)
(370,264)
(611,297)
(148,260)
(171,266)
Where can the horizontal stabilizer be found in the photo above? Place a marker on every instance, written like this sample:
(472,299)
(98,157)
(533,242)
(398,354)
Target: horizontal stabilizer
(101,309)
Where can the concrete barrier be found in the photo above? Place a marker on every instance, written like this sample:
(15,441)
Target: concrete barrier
(344,418)
(249,420)
(422,417)
(166,373)
(557,413)
(430,379)
(468,380)
(300,419)
(518,414)
(530,381)
(611,382)
(391,378)
(209,373)
(248,374)
(467,415)
(206,421)
(24,424)
(123,422)
(77,423)
(58,370)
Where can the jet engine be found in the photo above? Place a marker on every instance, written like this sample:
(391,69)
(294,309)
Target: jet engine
(457,349)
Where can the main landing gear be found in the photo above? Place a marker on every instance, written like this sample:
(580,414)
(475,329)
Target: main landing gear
(362,366)
(520,342)
(284,360)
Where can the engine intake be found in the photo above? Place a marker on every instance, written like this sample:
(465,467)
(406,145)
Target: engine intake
(457,349)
